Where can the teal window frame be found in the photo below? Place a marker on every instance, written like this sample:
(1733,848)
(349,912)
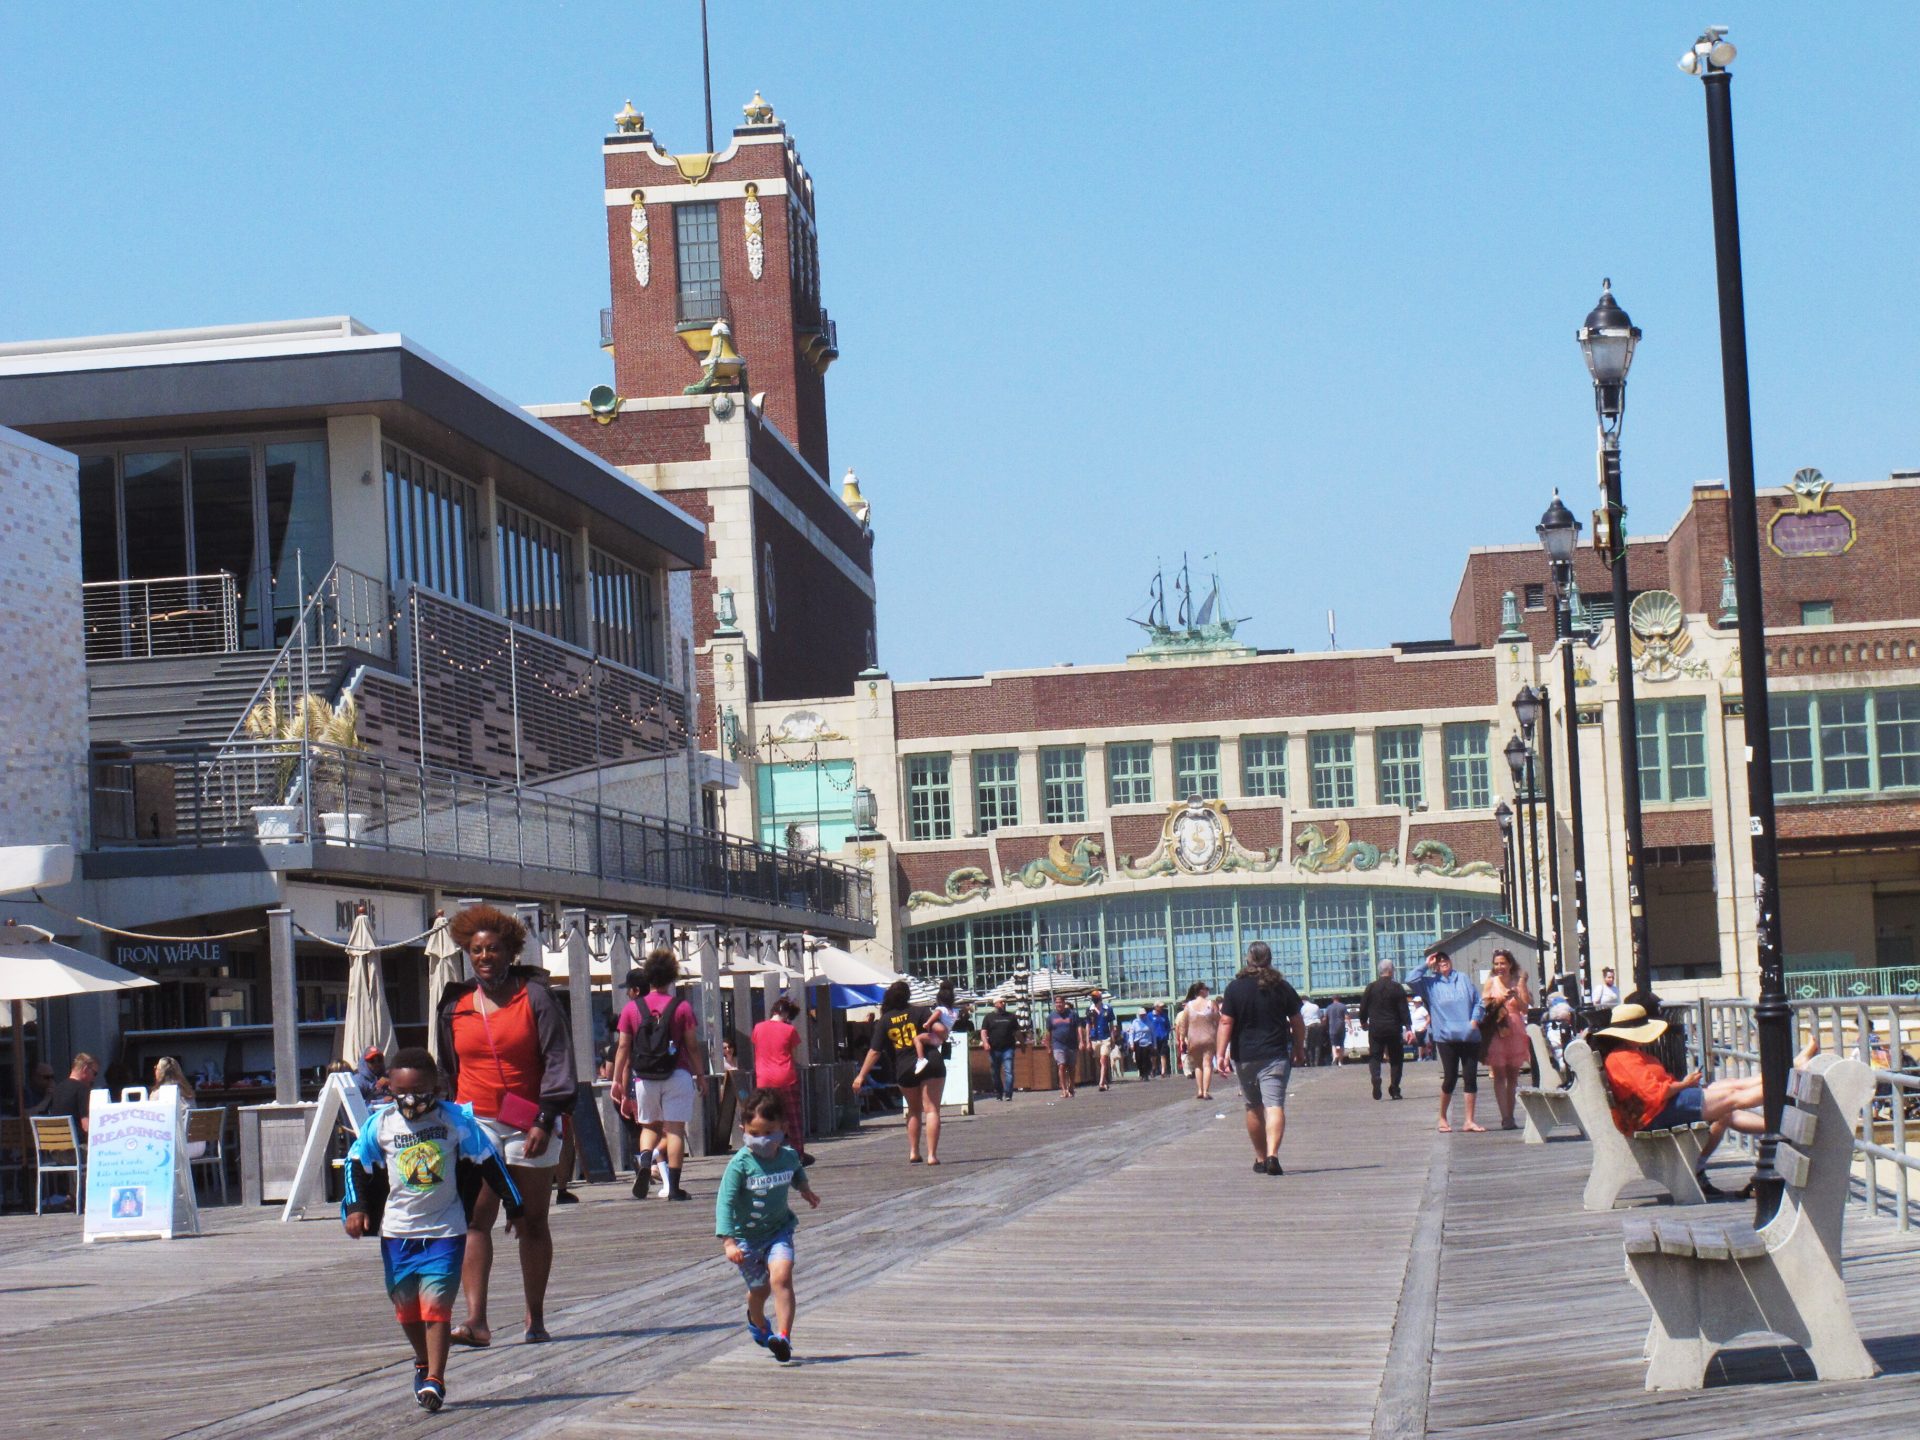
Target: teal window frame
(930,797)
(996,790)
(1673,751)
(1816,612)
(1263,767)
(1063,785)
(1399,771)
(1332,783)
(1130,773)
(1845,743)
(1196,769)
(1467,748)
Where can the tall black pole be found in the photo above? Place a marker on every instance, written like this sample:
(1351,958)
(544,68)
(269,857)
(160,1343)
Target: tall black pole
(1532,812)
(1545,729)
(706,73)
(1577,819)
(1520,871)
(1629,729)
(1773,1016)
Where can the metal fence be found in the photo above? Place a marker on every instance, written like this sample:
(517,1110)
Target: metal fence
(176,615)
(1881,1030)
(245,792)
(345,611)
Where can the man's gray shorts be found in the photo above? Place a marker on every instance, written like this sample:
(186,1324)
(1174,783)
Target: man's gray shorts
(1265,1086)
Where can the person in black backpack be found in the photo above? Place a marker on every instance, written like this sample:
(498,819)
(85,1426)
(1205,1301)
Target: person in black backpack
(657,1070)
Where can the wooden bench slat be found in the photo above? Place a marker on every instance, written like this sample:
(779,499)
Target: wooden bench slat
(1798,1125)
(1792,1164)
(1640,1238)
(1806,1087)
(1710,1241)
(1745,1242)
(1675,1237)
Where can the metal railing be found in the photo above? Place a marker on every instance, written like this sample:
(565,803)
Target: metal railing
(1854,983)
(345,611)
(606,327)
(145,619)
(1881,1030)
(245,792)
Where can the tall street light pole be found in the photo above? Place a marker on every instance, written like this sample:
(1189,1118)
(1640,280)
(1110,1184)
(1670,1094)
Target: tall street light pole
(1509,872)
(1520,762)
(1607,340)
(1529,706)
(1559,535)
(1709,59)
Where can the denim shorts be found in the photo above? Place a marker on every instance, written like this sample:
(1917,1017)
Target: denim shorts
(1687,1107)
(755,1254)
(1264,1086)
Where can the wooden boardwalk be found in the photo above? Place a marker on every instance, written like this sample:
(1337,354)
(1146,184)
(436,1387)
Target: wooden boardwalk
(1074,1269)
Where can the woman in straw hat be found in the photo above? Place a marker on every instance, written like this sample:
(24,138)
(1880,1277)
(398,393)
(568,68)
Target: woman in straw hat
(1644,1096)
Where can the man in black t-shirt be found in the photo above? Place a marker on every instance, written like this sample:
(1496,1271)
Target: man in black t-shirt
(73,1096)
(897,1038)
(1002,1029)
(1263,1034)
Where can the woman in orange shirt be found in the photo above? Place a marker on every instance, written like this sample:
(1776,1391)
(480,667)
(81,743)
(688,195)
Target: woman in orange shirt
(1644,1096)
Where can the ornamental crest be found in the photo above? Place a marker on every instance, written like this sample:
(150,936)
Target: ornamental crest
(637,237)
(1812,526)
(803,727)
(1197,839)
(755,233)
(1659,637)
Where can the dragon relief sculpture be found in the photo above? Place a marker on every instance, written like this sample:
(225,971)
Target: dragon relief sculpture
(1339,851)
(963,884)
(1433,857)
(1082,867)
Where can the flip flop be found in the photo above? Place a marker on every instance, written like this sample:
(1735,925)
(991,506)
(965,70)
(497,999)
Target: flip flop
(463,1335)
(537,1335)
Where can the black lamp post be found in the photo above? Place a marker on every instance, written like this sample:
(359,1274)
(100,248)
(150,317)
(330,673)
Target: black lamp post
(1520,762)
(1509,873)
(1607,340)
(1528,707)
(1709,58)
(1559,535)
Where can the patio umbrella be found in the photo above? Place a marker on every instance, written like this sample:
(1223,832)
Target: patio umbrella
(369,1023)
(35,966)
(446,965)
(1049,985)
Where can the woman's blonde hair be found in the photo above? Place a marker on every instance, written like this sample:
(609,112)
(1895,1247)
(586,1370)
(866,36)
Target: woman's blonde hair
(168,1071)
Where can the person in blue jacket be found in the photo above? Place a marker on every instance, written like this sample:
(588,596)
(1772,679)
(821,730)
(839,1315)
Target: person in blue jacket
(1453,1009)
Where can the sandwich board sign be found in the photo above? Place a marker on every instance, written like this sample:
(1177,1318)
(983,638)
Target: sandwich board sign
(340,1105)
(139,1184)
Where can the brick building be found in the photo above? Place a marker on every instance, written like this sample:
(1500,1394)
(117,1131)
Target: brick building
(1142,821)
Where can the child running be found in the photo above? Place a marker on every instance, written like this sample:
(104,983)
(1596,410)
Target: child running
(752,1216)
(411,1177)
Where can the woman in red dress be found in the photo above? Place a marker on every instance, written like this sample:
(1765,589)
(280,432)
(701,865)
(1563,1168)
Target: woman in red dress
(506,1053)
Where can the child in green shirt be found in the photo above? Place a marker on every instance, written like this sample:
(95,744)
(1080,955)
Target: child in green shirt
(752,1217)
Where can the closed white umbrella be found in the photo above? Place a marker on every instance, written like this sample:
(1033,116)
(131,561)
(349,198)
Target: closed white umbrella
(369,1023)
(840,967)
(446,965)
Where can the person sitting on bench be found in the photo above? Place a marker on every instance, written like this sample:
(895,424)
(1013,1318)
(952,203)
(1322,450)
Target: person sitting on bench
(1644,1096)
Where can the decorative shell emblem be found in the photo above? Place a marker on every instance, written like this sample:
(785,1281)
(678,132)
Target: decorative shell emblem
(1660,639)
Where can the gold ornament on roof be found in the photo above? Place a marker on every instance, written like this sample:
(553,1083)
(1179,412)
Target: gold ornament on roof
(851,497)
(629,121)
(758,111)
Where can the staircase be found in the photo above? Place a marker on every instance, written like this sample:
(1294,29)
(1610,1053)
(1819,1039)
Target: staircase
(183,700)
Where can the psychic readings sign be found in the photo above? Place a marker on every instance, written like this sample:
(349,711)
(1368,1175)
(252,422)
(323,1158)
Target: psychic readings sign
(137,1181)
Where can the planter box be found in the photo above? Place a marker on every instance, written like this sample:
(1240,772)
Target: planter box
(276,822)
(343,825)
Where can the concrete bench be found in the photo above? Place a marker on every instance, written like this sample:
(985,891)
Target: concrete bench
(1710,1277)
(1665,1157)
(1550,1106)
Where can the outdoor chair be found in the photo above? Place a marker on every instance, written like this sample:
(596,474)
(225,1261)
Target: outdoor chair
(1667,1158)
(56,1147)
(13,1159)
(1710,1277)
(208,1128)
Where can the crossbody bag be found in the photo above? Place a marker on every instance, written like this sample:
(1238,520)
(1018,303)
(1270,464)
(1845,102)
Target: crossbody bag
(516,1111)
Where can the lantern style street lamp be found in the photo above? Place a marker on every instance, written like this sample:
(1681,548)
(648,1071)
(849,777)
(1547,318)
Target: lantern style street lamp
(1709,58)
(1607,340)
(1509,873)
(1520,762)
(1529,707)
(1559,534)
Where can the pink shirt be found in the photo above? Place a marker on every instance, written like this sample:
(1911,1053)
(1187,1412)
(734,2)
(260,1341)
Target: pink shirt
(683,1023)
(774,1042)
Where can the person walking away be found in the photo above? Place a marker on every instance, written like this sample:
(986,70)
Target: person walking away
(1262,1032)
(1002,1030)
(1505,1001)
(755,1223)
(506,1054)
(1063,1032)
(1643,1096)
(1198,1029)
(409,1177)
(1316,1030)
(660,1049)
(1385,1017)
(897,1040)
(1336,1018)
(1454,1009)
(1162,1040)
(775,1041)
(1098,1031)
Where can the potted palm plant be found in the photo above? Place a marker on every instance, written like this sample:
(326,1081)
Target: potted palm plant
(329,729)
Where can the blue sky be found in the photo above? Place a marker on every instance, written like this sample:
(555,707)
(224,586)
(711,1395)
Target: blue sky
(1294,284)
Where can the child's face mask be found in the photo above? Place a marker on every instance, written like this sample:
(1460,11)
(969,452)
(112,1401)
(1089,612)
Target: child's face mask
(413,1105)
(765,1147)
